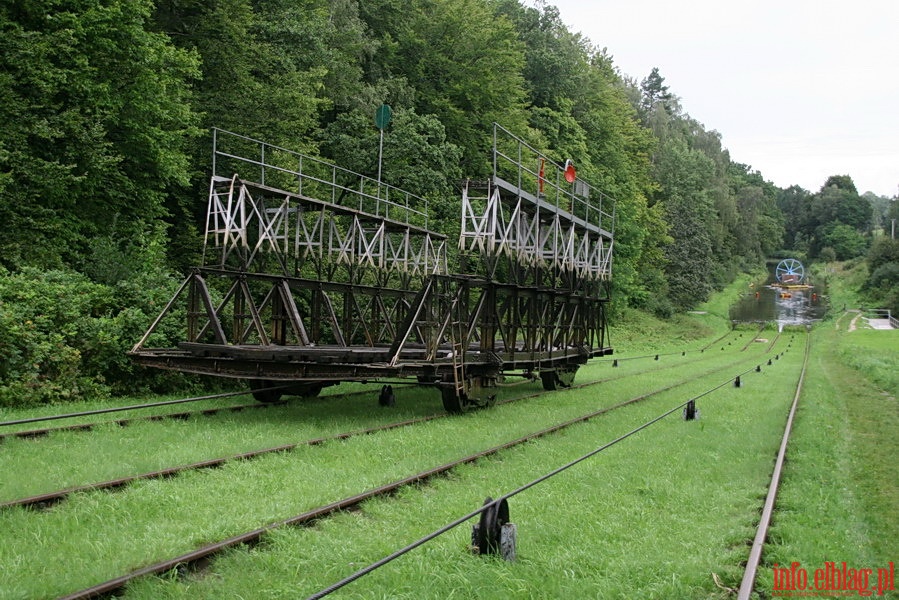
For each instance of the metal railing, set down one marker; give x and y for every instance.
(532, 171)
(284, 169)
(883, 313)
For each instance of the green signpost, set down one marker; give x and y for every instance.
(382, 120)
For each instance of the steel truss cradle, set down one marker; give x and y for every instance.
(340, 279)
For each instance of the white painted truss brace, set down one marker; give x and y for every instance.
(242, 226)
(532, 235)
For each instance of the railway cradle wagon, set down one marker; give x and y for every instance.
(314, 275)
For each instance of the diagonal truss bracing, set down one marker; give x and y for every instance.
(252, 228)
(312, 273)
(534, 214)
(539, 238)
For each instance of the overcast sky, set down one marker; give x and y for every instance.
(798, 89)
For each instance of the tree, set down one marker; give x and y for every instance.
(465, 64)
(683, 174)
(96, 115)
(882, 285)
(845, 240)
(418, 157)
(794, 203)
(655, 95)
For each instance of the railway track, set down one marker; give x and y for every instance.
(182, 415)
(747, 585)
(50, 498)
(31, 434)
(101, 411)
(89, 426)
(201, 555)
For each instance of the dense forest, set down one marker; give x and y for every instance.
(106, 108)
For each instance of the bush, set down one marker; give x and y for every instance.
(64, 337)
(828, 254)
(882, 286)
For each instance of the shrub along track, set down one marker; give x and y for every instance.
(202, 554)
(47, 499)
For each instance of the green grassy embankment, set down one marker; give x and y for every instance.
(656, 516)
(839, 500)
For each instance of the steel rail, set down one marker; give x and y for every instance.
(101, 411)
(47, 499)
(756, 337)
(406, 549)
(36, 433)
(112, 586)
(682, 352)
(715, 341)
(50, 498)
(755, 554)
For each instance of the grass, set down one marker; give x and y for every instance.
(637, 332)
(95, 536)
(653, 517)
(839, 500)
(603, 529)
(873, 353)
(49, 410)
(56, 462)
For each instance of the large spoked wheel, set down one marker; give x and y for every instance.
(789, 271)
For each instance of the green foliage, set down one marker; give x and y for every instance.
(96, 116)
(46, 321)
(683, 174)
(883, 251)
(465, 63)
(722, 217)
(101, 104)
(827, 254)
(836, 218)
(64, 337)
(882, 286)
(845, 240)
(655, 94)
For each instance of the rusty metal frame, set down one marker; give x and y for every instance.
(302, 288)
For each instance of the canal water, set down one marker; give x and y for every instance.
(767, 303)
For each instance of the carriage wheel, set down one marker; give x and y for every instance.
(558, 378)
(386, 397)
(452, 402)
(262, 391)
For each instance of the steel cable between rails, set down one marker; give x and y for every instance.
(448, 527)
(37, 433)
(101, 411)
(46, 499)
(110, 587)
